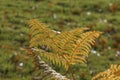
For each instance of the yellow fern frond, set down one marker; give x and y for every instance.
(39, 33)
(113, 73)
(66, 48)
(82, 47)
(55, 59)
(65, 40)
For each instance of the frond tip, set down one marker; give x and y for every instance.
(113, 73)
(39, 33)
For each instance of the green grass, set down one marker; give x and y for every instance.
(59, 15)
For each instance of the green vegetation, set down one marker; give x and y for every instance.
(60, 15)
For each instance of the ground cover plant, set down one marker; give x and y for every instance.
(101, 15)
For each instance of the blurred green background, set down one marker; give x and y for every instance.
(60, 15)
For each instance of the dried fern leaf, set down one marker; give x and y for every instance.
(113, 73)
(65, 38)
(46, 72)
(55, 59)
(69, 47)
(39, 33)
(82, 47)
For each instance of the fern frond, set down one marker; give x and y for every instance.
(55, 59)
(113, 73)
(65, 38)
(69, 47)
(39, 33)
(81, 47)
(46, 72)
